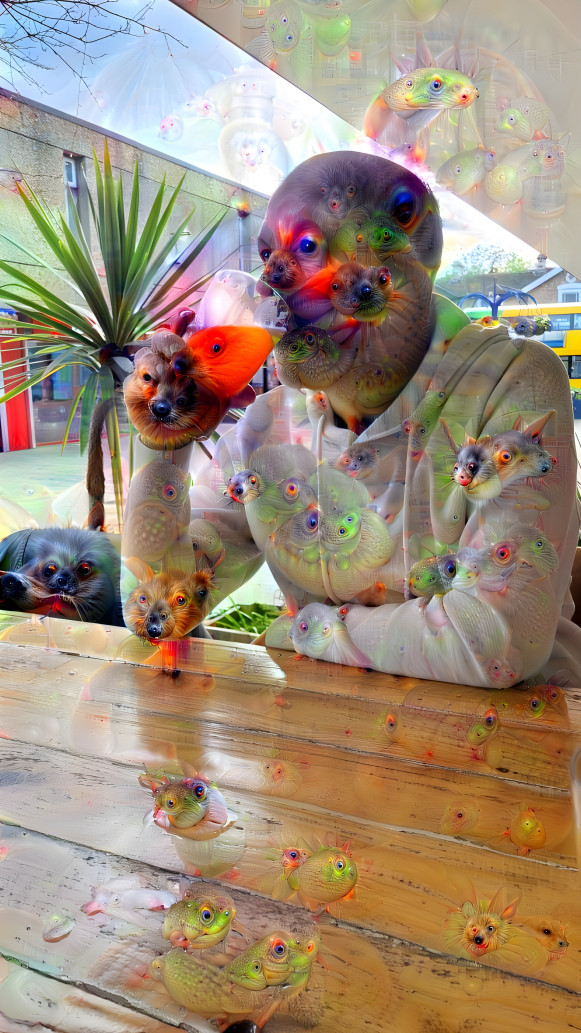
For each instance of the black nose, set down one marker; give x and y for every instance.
(10, 584)
(364, 291)
(161, 408)
(153, 628)
(479, 939)
(65, 583)
(545, 467)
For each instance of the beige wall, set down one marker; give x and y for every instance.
(32, 141)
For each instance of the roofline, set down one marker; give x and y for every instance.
(543, 279)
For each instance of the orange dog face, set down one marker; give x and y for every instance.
(168, 409)
(169, 605)
(485, 931)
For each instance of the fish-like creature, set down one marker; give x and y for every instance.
(325, 877)
(503, 184)
(222, 359)
(157, 511)
(526, 831)
(466, 169)
(206, 990)
(199, 921)
(265, 963)
(311, 358)
(524, 118)
(319, 632)
(191, 807)
(432, 576)
(416, 98)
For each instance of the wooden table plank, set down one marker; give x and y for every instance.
(419, 991)
(516, 750)
(385, 789)
(408, 882)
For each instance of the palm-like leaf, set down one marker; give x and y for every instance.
(131, 305)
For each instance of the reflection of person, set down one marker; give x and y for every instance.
(497, 612)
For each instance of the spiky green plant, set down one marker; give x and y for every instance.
(128, 307)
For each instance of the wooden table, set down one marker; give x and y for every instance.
(429, 784)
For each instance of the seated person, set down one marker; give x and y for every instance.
(413, 482)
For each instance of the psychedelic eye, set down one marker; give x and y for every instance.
(334, 286)
(180, 364)
(490, 928)
(490, 718)
(456, 468)
(279, 947)
(290, 37)
(142, 599)
(310, 947)
(403, 207)
(546, 932)
(442, 395)
(535, 703)
(459, 814)
(471, 467)
(284, 19)
(253, 480)
(200, 791)
(307, 246)
(383, 279)
(292, 488)
(293, 854)
(458, 170)
(539, 544)
(169, 491)
(503, 553)
(206, 914)
(505, 457)
(84, 569)
(202, 593)
(216, 347)
(147, 377)
(390, 722)
(339, 864)
(323, 190)
(436, 84)
(181, 600)
(294, 347)
(552, 694)
(351, 190)
(409, 83)
(421, 430)
(256, 966)
(312, 520)
(310, 338)
(304, 627)
(170, 801)
(450, 568)
(50, 569)
(265, 254)
(226, 913)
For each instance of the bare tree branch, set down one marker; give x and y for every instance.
(63, 31)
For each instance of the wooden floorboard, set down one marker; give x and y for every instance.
(427, 791)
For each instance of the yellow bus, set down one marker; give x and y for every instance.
(564, 336)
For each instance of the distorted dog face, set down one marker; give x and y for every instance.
(73, 574)
(169, 605)
(168, 408)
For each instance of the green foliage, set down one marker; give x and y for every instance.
(254, 619)
(105, 320)
(483, 260)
